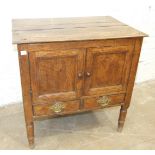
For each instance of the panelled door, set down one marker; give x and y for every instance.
(56, 75)
(107, 70)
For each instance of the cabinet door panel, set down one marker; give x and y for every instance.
(108, 69)
(54, 75)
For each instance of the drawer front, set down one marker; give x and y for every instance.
(57, 108)
(103, 101)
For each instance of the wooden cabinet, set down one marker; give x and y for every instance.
(74, 65)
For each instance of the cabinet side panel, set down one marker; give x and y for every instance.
(133, 70)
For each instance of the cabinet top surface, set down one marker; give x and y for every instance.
(70, 29)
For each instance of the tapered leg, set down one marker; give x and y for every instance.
(121, 120)
(30, 134)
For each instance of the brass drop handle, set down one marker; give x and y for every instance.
(80, 75)
(88, 74)
(57, 107)
(104, 101)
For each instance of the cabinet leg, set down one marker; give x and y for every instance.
(30, 134)
(121, 120)
(27, 98)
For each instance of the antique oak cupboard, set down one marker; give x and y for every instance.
(72, 65)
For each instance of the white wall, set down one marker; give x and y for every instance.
(137, 13)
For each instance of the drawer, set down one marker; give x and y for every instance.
(57, 108)
(103, 101)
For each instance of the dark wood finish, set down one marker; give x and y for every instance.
(75, 65)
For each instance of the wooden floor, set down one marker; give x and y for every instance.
(93, 130)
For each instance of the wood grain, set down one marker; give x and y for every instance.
(108, 68)
(32, 47)
(114, 100)
(26, 87)
(47, 23)
(45, 109)
(131, 80)
(70, 29)
(55, 75)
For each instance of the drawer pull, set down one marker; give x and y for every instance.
(103, 101)
(57, 107)
(88, 74)
(80, 75)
